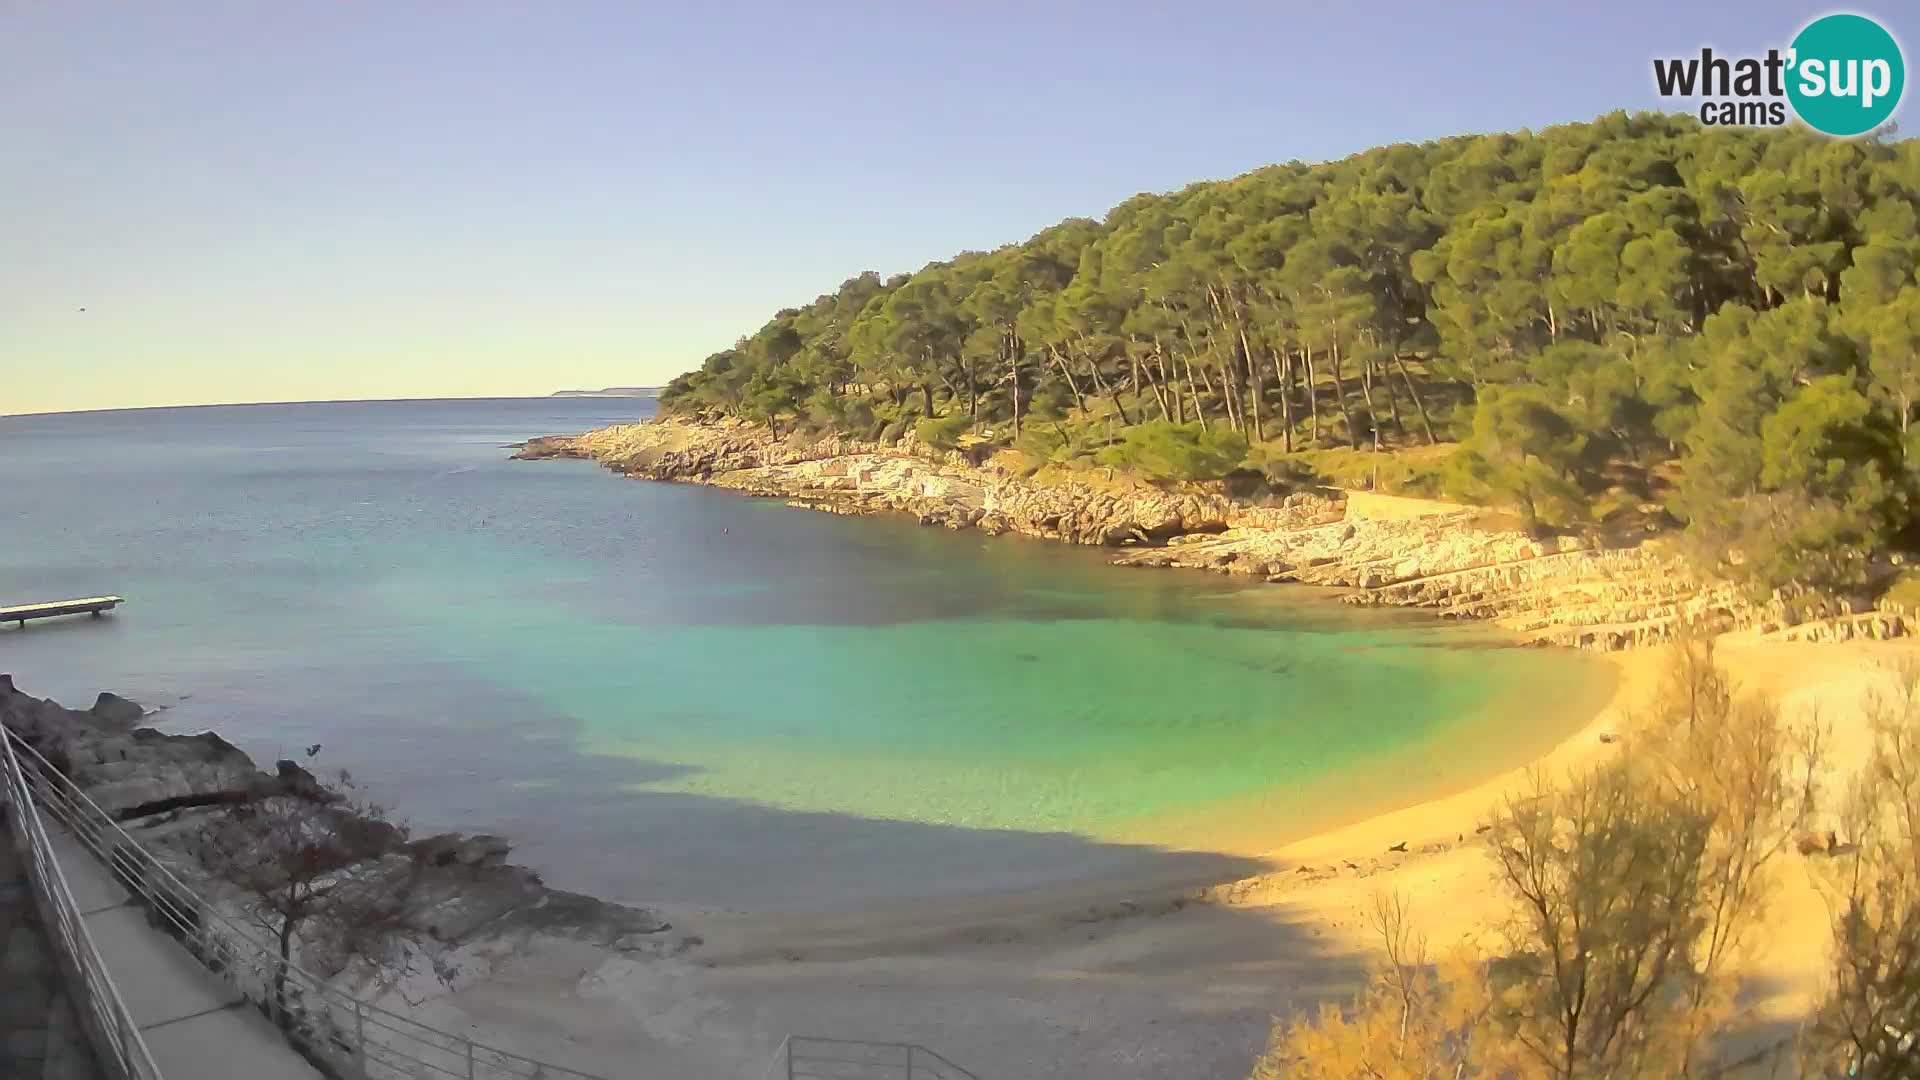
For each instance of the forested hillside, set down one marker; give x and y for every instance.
(1575, 324)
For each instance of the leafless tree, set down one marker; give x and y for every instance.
(1605, 875)
(311, 862)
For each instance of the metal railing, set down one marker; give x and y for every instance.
(807, 1057)
(115, 1038)
(343, 1035)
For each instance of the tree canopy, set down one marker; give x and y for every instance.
(1639, 309)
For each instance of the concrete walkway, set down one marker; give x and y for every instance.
(195, 1024)
(40, 1033)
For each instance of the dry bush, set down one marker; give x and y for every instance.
(1867, 1022)
(1754, 777)
(1604, 872)
(1634, 889)
(1410, 1022)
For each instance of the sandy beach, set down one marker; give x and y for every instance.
(1169, 984)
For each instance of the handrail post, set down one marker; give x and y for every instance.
(360, 1038)
(469, 1059)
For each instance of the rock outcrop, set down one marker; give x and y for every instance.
(1449, 559)
(464, 900)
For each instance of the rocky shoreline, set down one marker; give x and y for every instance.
(468, 906)
(1459, 562)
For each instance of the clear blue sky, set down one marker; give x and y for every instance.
(277, 201)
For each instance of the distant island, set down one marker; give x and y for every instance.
(611, 391)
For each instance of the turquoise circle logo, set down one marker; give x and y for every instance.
(1847, 75)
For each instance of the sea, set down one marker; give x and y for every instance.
(669, 694)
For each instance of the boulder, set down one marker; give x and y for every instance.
(111, 708)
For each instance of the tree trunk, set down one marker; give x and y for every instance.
(1229, 369)
(1159, 396)
(1011, 345)
(1230, 392)
(280, 971)
(926, 395)
(1199, 413)
(1112, 392)
(1393, 402)
(1420, 406)
(1285, 377)
(1253, 385)
(1172, 383)
(953, 389)
(1340, 394)
(1366, 396)
(1313, 397)
(1079, 403)
(1206, 379)
(1156, 384)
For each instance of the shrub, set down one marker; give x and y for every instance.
(1061, 443)
(1165, 452)
(1521, 456)
(943, 432)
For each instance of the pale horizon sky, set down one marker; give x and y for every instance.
(297, 202)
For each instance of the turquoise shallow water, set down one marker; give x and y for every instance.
(668, 693)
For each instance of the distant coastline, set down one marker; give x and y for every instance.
(611, 391)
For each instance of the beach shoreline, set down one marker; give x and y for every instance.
(1298, 933)
(1358, 844)
(1003, 982)
(1188, 980)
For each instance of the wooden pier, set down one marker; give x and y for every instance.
(53, 609)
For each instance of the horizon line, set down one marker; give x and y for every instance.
(576, 395)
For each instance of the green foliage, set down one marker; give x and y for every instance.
(1062, 443)
(943, 432)
(1522, 455)
(1166, 452)
(1419, 472)
(1904, 594)
(1582, 307)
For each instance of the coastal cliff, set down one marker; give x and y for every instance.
(1460, 562)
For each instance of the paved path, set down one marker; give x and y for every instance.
(196, 1025)
(40, 1034)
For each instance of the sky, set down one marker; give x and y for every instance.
(302, 201)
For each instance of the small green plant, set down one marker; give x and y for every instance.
(1167, 452)
(943, 432)
(1904, 595)
(1062, 442)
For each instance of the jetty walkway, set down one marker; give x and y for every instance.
(53, 609)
